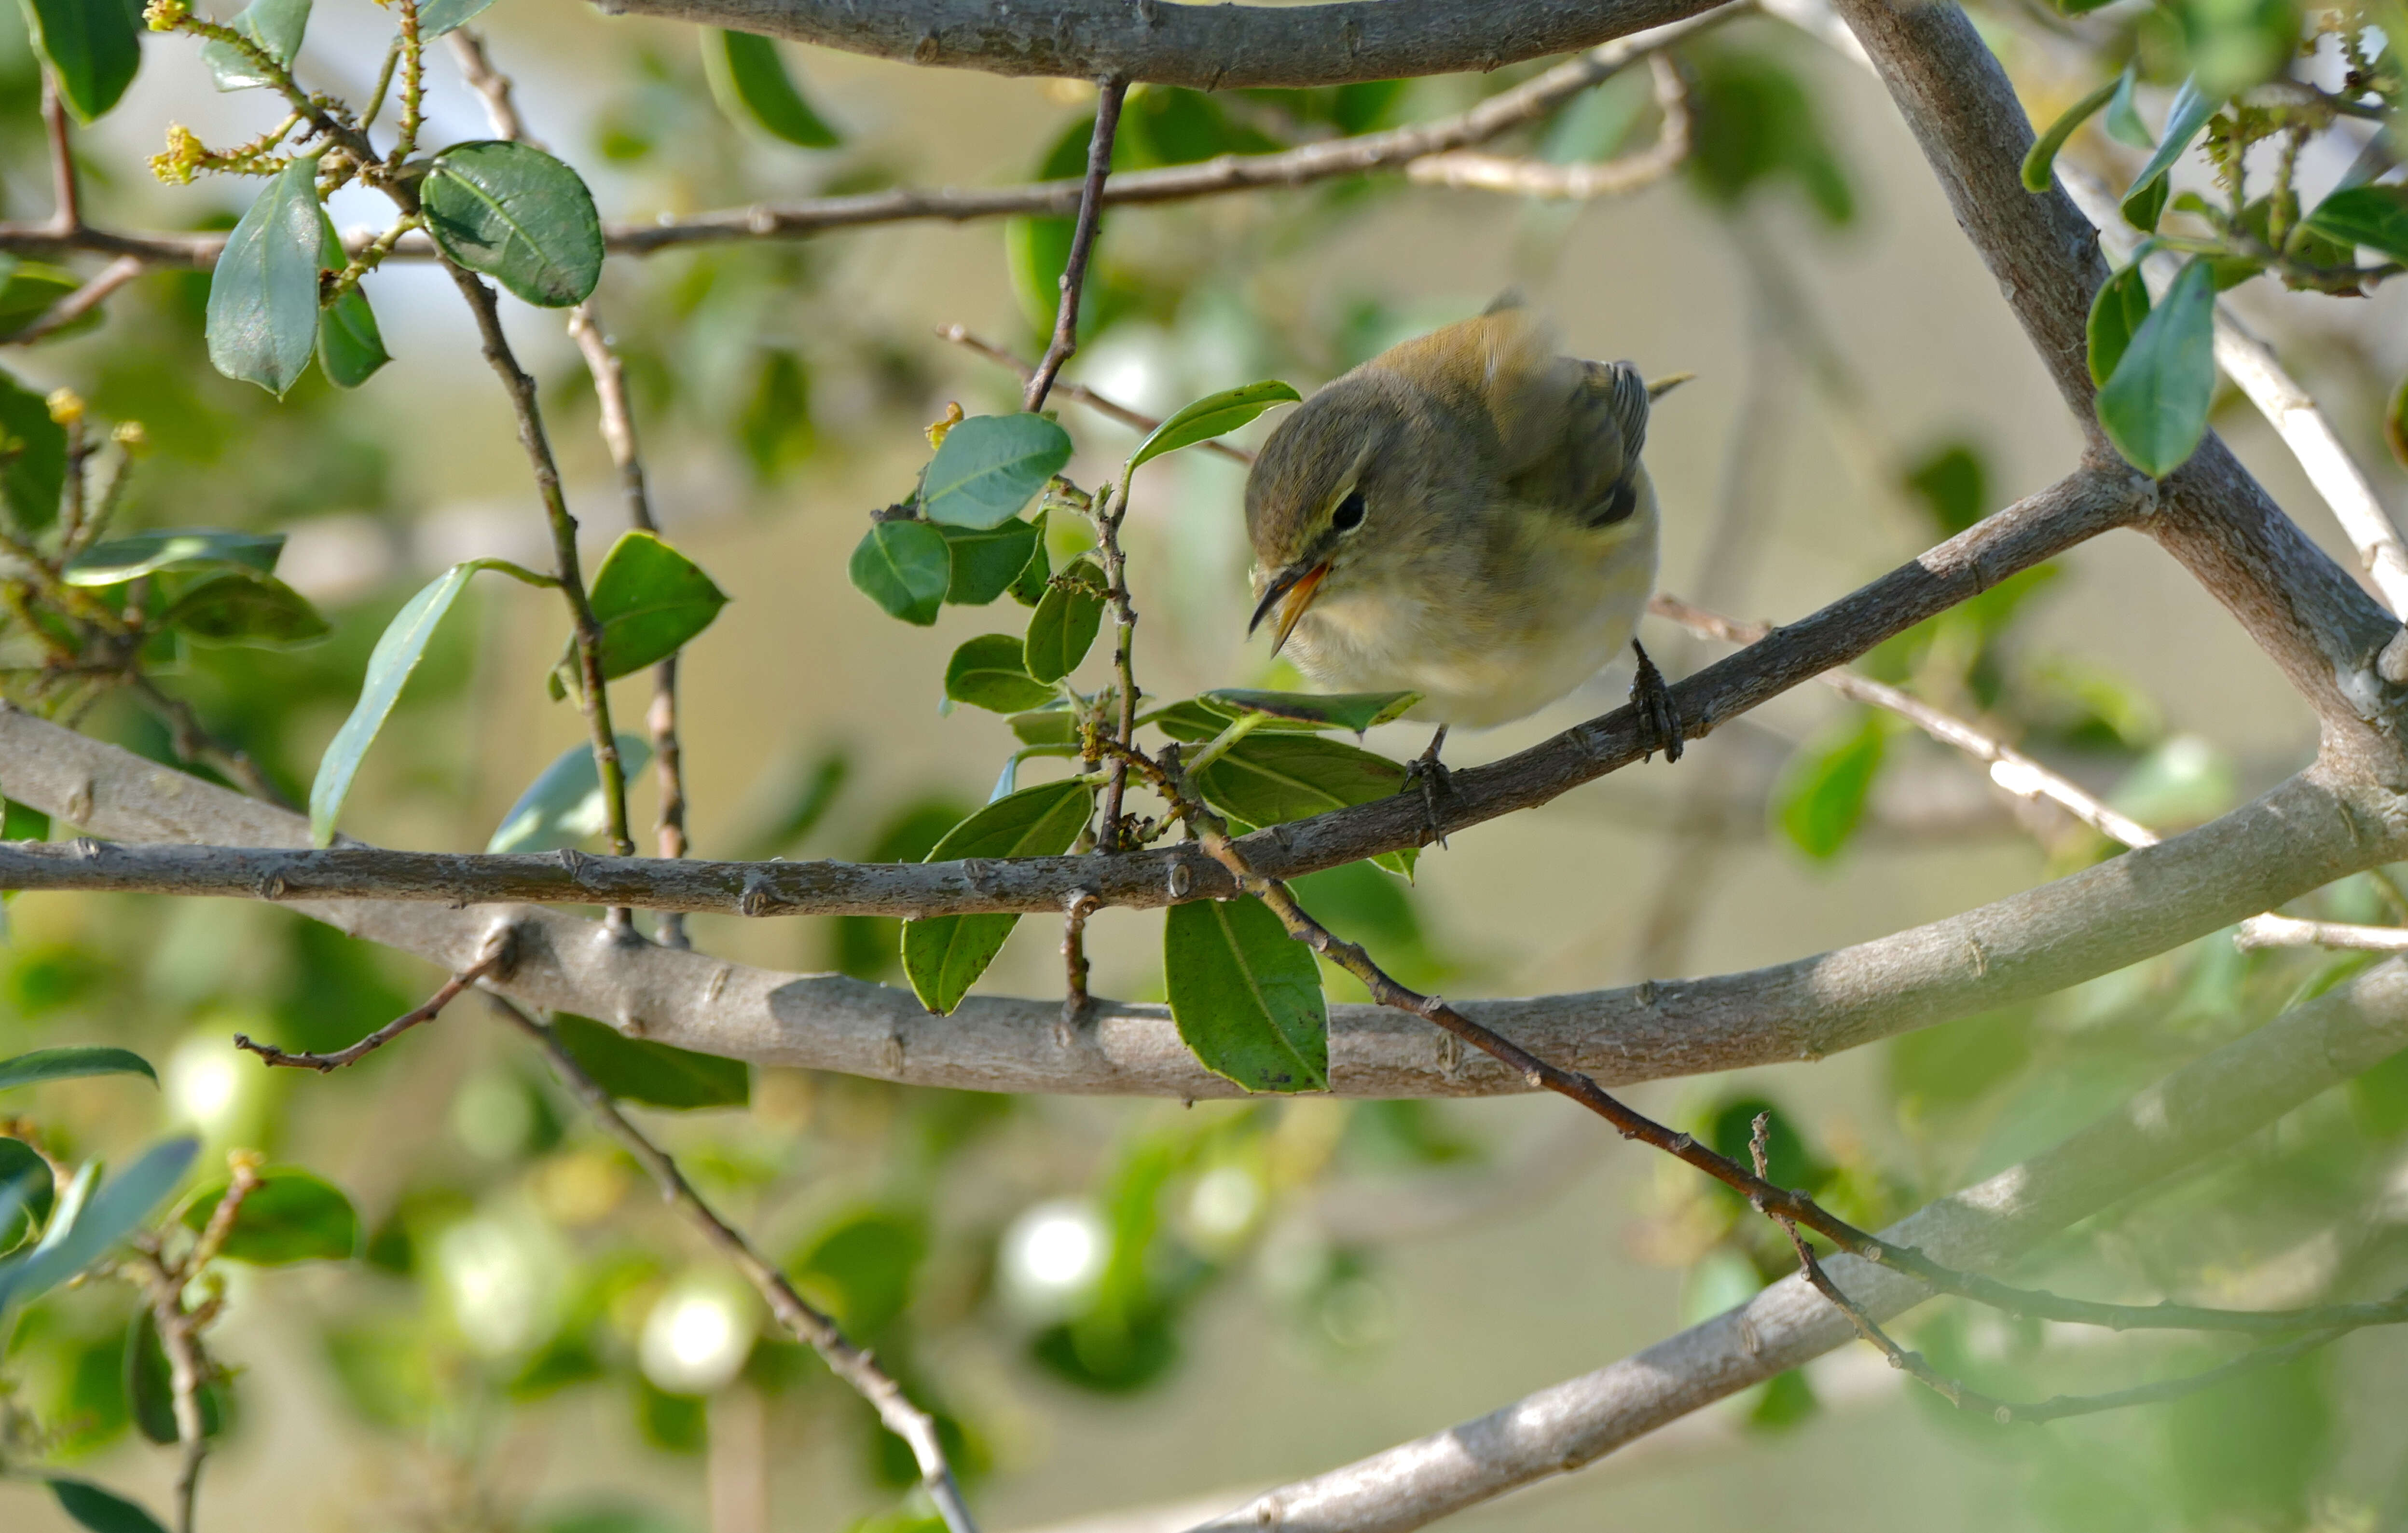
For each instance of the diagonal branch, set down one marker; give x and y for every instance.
(1109, 94)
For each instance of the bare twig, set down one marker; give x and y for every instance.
(180, 1328)
(194, 743)
(1465, 169)
(850, 1363)
(82, 301)
(1109, 95)
(1074, 957)
(1135, 420)
(496, 960)
(66, 201)
(491, 85)
(2283, 931)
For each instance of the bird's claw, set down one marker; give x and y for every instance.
(1434, 779)
(1654, 699)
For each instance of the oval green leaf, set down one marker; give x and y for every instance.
(988, 672)
(636, 1069)
(1246, 997)
(31, 1069)
(517, 215)
(33, 456)
(28, 293)
(2040, 162)
(276, 26)
(905, 568)
(2115, 314)
(649, 600)
(751, 85)
(150, 1388)
(2375, 217)
(87, 1224)
(123, 559)
(564, 805)
(1354, 710)
(986, 562)
(2145, 198)
(437, 17)
(1820, 799)
(990, 466)
(1214, 415)
(1050, 727)
(351, 347)
(262, 308)
(291, 1216)
(246, 610)
(2154, 404)
(1271, 776)
(92, 47)
(98, 1510)
(27, 1192)
(2123, 121)
(1064, 626)
(944, 955)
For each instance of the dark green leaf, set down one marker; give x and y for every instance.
(2144, 199)
(987, 672)
(102, 1512)
(986, 561)
(262, 308)
(1028, 587)
(2115, 314)
(944, 955)
(1035, 252)
(649, 600)
(2040, 162)
(518, 216)
(87, 1223)
(861, 1266)
(22, 823)
(351, 348)
(990, 466)
(1214, 415)
(26, 1192)
(1268, 777)
(33, 456)
(276, 26)
(149, 1384)
(1354, 710)
(249, 611)
(1752, 124)
(2154, 404)
(1064, 626)
(397, 652)
(1246, 997)
(1953, 482)
(564, 805)
(751, 85)
(30, 289)
(291, 1216)
(92, 47)
(2372, 216)
(1820, 799)
(437, 17)
(124, 559)
(636, 1070)
(2124, 122)
(905, 568)
(28, 1070)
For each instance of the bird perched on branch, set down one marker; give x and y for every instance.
(1464, 516)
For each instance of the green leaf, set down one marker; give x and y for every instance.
(92, 47)
(1246, 997)
(564, 805)
(2124, 122)
(1821, 797)
(944, 955)
(861, 1266)
(636, 1070)
(1214, 415)
(988, 672)
(87, 1224)
(262, 308)
(101, 1510)
(1354, 710)
(1268, 777)
(275, 25)
(751, 85)
(437, 17)
(2373, 216)
(291, 1216)
(26, 1192)
(518, 216)
(249, 611)
(1953, 484)
(2115, 314)
(1064, 626)
(33, 456)
(649, 600)
(2040, 161)
(29, 291)
(2144, 199)
(2154, 404)
(124, 559)
(2395, 423)
(905, 568)
(1051, 727)
(397, 652)
(986, 562)
(990, 466)
(1192, 721)
(31, 1069)
(351, 348)
(150, 1385)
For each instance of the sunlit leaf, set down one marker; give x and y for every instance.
(2375, 217)
(262, 308)
(517, 215)
(1820, 799)
(988, 672)
(1064, 626)
(1354, 710)
(1214, 415)
(2115, 314)
(751, 85)
(124, 559)
(988, 561)
(69, 1064)
(33, 456)
(1246, 997)
(648, 600)
(944, 955)
(990, 466)
(101, 1510)
(275, 25)
(89, 1222)
(2145, 197)
(636, 1069)
(905, 568)
(2154, 404)
(437, 17)
(92, 47)
(565, 805)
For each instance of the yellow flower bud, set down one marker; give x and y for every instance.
(65, 405)
(166, 15)
(952, 418)
(130, 435)
(183, 155)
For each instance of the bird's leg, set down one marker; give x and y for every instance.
(1654, 700)
(1431, 773)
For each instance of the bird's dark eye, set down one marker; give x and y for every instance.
(1348, 514)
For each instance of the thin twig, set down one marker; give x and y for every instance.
(66, 201)
(1074, 957)
(193, 743)
(82, 301)
(163, 1282)
(1110, 513)
(849, 1362)
(1135, 420)
(2283, 931)
(326, 1064)
(1109, 95)
(491, 85)
(1469, 171)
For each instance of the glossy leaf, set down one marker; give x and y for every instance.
(1214, 415)
(437, 17)
(986, 562)
(650, 601)
(751, 85)
(351, 347)
(276, 26)
(517, 215)
(150, 1385)
(1354, 710)
(636, 1069)
(33, 456)
(2115, 314)
(944, 955)
(2040, 162)
(123, 559)
(905, 568)
(262, 308)
(2154, 404)
(89, 1222)
(397, 652)
(1246, 997)
(564, 805)
(70, 1064)
(291, 1216)
(988, 672)
(101, 1510)
(1820, 799)
(92, 47)
(2188, 113)
(2375, 217)
(990, 466)
(1270, 777)
(1064, 626)
(248, 610)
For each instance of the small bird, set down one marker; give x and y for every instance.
(1464, 516)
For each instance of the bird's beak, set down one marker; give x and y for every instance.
(1287, 596)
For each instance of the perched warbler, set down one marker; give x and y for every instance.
(1464, 516)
